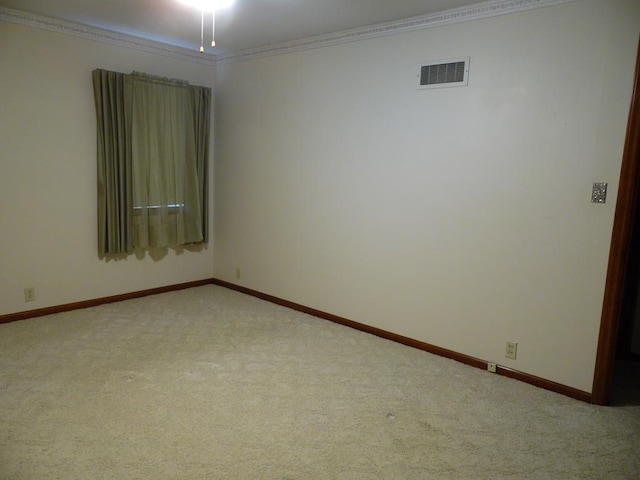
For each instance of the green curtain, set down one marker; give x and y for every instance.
(115, 206)
(202, 120)
(164, 161)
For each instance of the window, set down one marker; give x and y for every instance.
(153, 139)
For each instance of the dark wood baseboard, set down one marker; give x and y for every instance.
(443, 352)
(13, 317)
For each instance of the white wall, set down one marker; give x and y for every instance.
(460, 217)
(48, 172)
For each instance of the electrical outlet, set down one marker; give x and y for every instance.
(30, 294)
(237, 273)
(491, 367)
(511, 350)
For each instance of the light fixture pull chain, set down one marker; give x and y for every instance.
(202, 32)
(213, 28)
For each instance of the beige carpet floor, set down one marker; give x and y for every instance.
(208, 383)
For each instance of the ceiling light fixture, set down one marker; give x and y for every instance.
(212, 6)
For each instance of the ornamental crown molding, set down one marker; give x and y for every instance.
(102, 35)
(474, 12)
(464, 14)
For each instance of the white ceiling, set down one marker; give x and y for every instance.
(246, 24)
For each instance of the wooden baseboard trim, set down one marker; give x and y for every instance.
(545, 384)
(443, 352)
(13, 317)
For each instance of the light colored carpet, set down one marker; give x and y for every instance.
(208, 383)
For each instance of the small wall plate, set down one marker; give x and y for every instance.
(599, 193)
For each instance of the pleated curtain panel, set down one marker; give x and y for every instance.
(153, 149)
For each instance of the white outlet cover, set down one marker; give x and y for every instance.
(511, 350)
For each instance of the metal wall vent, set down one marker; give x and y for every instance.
(453, 72)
